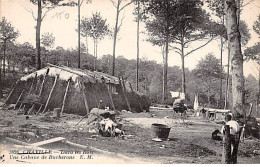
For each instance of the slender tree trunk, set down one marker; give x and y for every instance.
(221, 64)
(1, 85)
(78, 33)
(115, 36)
(221, 68)
(4, 59)
(208, 97)
(234, 40)
(94, 54)
(137, 49)
(38, 36)
(183, 88)
(165, 72)
(227, 81)
(258, 95)
(87, 43)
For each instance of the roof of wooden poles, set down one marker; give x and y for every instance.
(66, 73)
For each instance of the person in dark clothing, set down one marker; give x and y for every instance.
(179, 109)
(178, 106)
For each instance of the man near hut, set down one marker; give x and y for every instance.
(179, 107)
(231, 141)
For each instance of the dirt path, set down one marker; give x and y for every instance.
(186, 144)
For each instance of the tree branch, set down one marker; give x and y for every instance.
(178, 52)
(192, 40)
(114, 4)
(126, 5)
(199, 47)
(30, 11)
(45, 13)
(247, 3)
(173, 47)
(121, 22)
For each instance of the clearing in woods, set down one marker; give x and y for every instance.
(190, 143)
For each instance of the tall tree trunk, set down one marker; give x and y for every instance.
(227, 81)
(1, 85)
(94, 54)
(38, 36)
(234, 40)
(165, 72)
(115, 36)
(137, 43)
(183, 88)
(79, 33)
(4, 59)
(87, 43)
(221, 68)
(258, 95)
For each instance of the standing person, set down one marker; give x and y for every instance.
(230, 139)
(179, 107)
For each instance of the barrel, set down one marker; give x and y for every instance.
(160, 131)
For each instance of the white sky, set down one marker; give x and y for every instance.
(63, 28)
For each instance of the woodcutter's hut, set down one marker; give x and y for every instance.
(74, 91)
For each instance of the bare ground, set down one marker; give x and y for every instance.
(189, 143)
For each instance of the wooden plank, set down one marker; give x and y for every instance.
(48, 100)
(48, 141)
(64, 98)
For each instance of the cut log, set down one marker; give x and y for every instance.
(53, 140)
(65, 95)
(48, 100)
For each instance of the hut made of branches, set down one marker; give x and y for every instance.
(75, 91)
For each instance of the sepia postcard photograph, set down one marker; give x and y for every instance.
(129, 82)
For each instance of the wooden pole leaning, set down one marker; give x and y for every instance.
(109, 94)
(48, 100)
(95, 96)
(65, 95)
(122, 83)
(41, 88)
(18, 100)
(8, 97)
(82, 88)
